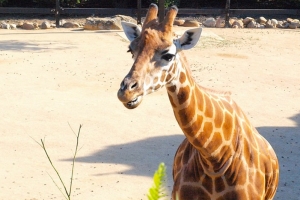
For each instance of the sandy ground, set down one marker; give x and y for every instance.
(56, 78)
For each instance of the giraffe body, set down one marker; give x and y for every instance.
(223, 156)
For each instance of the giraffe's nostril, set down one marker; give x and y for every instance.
(122, 85)
(133, 86)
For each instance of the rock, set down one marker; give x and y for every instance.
(4, 25)
(289, 20)
(191, 23)
(251, 24)
(286, 24)
(45, 25)
(262, 20)
(231, 20)
(247, 20)
(125, 18)
(238, 24)
(269, 24)
(112, 23)
(101, 24)
(210, 22)
(71, 25)
(68, 25)
(280, 24)
(293, 26)
(20, 24)
(28, 26)
(62, 22)
(178, 22)
(13, 26)
(274, 22)
(295, 22)
(220, 22)
(35, 25)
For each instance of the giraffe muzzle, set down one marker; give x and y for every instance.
(129, 94)
(134, 103)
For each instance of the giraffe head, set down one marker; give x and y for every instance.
(155, 52)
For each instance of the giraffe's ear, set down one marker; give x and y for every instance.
(131, 30)
(189, 39)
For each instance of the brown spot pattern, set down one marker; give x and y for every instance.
(227, 126)
(207, 184)
(182, 77)
(219, 184)
(163, 76)
(183, 94)
(172, 88)
(216, 141)
(168, 78)
(207, 129)
(192, 192)
(185, 115)
(155, 80)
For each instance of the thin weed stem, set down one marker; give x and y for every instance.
(67, 194)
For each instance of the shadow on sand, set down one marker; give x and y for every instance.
(144, 155)
(17, 45)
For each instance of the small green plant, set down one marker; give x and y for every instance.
(2, 2)
(66, 193)
(158, 190)
(169, 3)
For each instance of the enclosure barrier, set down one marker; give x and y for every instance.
(142, 11)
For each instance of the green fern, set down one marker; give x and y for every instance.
(158, 190)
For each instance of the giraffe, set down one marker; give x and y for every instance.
(222, 156)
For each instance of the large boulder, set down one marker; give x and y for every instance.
(178, 22)
(238, 24)
(20, 24)
(210, 22)
(220, 22)
(252, 24)
(247, 20)
(4, 25)
(13, 26)
(191, 23)
(231, 20)
(296, 23)
(274, 22)
(269, 24)
(289, 20)
(45, 25)
(262, 20)
(108, 23)
(28, 26)
(71, 25)
(285, 24)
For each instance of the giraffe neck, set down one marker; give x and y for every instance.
(206, 119)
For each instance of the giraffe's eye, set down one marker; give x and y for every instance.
(168, 57)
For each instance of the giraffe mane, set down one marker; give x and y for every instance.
(216, 92)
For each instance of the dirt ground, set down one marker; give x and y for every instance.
(56, 79)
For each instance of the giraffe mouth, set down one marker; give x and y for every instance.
(133, 103)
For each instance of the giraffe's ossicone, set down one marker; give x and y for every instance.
(223, 156)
